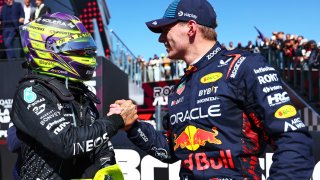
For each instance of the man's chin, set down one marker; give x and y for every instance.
(173, 56)
(170, 55)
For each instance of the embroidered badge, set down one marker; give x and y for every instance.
(28, 95)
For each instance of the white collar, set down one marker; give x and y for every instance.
(41, 6)
(194, 62)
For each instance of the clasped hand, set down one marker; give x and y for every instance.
(127, 110)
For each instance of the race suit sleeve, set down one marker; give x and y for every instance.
(36, 112)
(155, 143)
(13, 143)
(268, 106)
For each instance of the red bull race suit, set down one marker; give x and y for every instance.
(221, 115)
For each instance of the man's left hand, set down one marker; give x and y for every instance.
(21, 20)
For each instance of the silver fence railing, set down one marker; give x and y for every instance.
(122, 57)
(140, 70)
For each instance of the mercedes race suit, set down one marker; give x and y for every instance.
(63, 136)
(222, 114)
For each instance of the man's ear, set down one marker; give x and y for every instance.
(192, 25)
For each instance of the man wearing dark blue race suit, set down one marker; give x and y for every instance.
(225, 108)
(11, 17)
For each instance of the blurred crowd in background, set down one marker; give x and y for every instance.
(12, 15)
(280, 50)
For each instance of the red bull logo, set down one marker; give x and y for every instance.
(201, 162)
(192, 138)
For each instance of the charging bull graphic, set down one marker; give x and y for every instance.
(192, 138)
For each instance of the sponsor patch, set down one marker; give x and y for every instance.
(213, 53)
(90, 144)
(263, 69)
(181, 88)
(35, 103)
(192, 138)
(296, 123)
(4, 116)
(207, 91)
(190, 15)
(196, 114)
(6, 103)
(49, 126)
(278, 98)
(39, 109)
(207, 99)
(224, 63)
(236, 67)
(28, 95)
(160, 153)
(48, 116)
(143, 135)
(285, 111)
(270, 89)
(200, 161)
(268, 78)
(178, 101)
(61, 126)
(212, 77)
(59, 106)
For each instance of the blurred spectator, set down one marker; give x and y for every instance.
(223, 46)
(11, 17)
(41, 9)
(230, 47)
(28, 10)
(156, 68)
(166, 66)
(276, 47)
(280, 51)
(288, 53)
(312, 51)
(181, 67)
(299, 39)
(305, 54)
(279, 47)
(173, 68)
(288, 36)
(318, 55)
(150, 70)
(250, 47)
(143, 65)
(299, 45)
(128, 65)
(263, 47)
(138, 69)
(239, 46)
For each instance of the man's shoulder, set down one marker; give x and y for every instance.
(17, 4)
(244, 63)
(46, 8)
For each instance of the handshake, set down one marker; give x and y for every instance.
(127, 110)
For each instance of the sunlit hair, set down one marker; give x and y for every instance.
(207, 32)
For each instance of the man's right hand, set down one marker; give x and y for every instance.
(127, 110)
